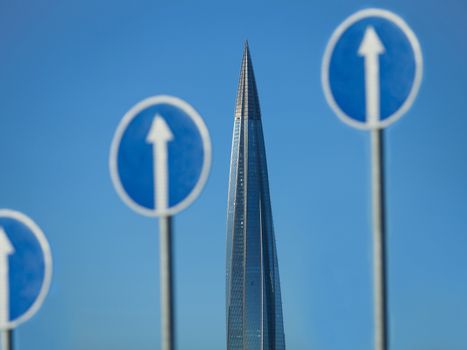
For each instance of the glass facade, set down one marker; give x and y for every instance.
(253, 297)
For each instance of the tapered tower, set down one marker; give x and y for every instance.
(253, 298)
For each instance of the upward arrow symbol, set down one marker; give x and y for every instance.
(6, 249)
(159, 135)
(371, 48)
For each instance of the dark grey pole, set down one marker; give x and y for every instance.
(7, 339)
(167, 290)
(379, 240)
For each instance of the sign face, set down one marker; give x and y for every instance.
(160, 156)
(25, 268)
(372, 69)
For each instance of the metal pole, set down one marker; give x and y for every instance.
(379, 240)
(167, 304)
(7, 339)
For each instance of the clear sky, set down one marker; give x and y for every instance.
(69, 70)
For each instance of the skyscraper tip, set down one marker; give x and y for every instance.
(247, 106)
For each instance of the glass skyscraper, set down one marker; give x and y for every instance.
(253, 298)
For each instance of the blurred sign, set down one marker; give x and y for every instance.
(160, 156)
(25, 268)
(372, 69)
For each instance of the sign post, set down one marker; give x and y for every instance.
(379, 241)
(25, 271)
(371, 73)
(7, 339)
(167, 290)
(159, 162)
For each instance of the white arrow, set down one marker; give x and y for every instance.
(6, 249)
(370, 48)
(159, 135)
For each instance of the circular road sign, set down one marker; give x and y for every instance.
(25, 268)
(372, 69)
(160, 156)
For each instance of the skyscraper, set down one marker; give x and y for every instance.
(253, 298)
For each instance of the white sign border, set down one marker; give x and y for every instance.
(113, 162)
(44, 244)
(372, 12)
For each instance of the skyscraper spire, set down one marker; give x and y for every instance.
(253, 297)
(247, 105)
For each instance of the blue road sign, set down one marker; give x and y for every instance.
(25, 268)
(160, 156)
(372, 69)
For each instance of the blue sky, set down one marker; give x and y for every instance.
(71, 69)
